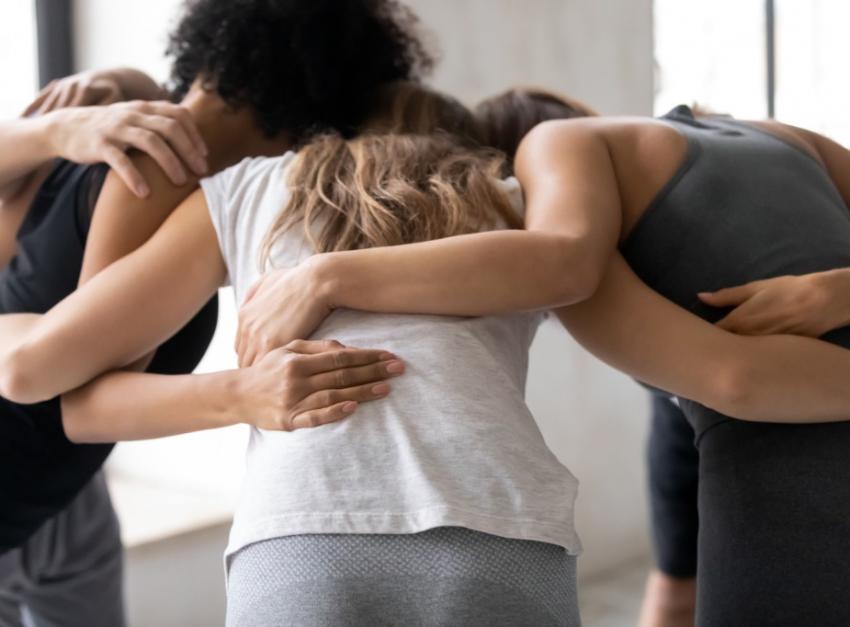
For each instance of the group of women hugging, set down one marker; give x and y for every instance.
(393, 253)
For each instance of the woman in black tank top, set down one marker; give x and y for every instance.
(275, 105)
(42, 471)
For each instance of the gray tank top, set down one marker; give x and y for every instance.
(744, 205)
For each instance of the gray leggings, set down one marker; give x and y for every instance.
(70, 572)
(443, 577)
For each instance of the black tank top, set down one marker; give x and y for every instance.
(40, 469)
(744, 205)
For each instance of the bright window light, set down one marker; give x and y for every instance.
(18, 56)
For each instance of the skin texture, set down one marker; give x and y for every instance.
(277, 393)
(625, 323)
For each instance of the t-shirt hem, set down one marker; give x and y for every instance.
(558, 533)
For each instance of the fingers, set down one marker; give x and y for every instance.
(729, 297)
(361, 375)
(744, 323)
(358, 394)
(311, 365)
(68, 95)
(123, 166)
(35, 105)
(181, 115)
(318, 417)
(176, 134)
(313, 347)
(49, 103)
(158, 149)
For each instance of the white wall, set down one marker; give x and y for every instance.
(597, 50)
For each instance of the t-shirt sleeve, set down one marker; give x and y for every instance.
(218, 191)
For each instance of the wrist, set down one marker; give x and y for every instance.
(46, 131)
(223, 394)
(324, 273)
(835, 286)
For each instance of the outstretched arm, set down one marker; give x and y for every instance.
(776, 378)
(305, 385)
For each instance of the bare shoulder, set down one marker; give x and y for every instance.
(802, 138)
(615, 132)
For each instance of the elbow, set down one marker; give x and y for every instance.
(733, 392)
(587, 283)
(76, 421)
(579, 284)
(17, 379)
(74, 430)
(576, 267)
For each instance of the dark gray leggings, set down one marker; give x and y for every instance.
(445, 577)
(774, 543)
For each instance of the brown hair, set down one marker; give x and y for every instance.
(509, 116)
(415, 174)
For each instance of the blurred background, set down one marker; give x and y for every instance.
(751, 58)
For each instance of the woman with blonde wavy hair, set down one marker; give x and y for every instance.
(438, 504)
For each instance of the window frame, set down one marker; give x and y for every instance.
(54, 39)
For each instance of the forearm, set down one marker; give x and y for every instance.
(468, 275)
(122, 314)
(24, 146)
(777, 378)
(121, 406)
(13, 327)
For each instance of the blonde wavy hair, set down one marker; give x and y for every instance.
(416, 173)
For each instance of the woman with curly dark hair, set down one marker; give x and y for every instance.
(256, 77)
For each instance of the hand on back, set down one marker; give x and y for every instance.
(309, 384)
(809, 305)
(282, 306)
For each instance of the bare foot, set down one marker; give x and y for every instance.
(668, 601)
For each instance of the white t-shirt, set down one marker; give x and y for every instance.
(454, 444)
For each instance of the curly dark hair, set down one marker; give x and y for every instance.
(303, 66)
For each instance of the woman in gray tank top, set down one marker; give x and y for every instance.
(694, 206)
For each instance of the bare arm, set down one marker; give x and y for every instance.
(305, 385)
(573, 221)
(101, 134)
(120, 315)
(778, 378)
(573, 217)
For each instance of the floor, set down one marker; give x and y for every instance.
(614, 600)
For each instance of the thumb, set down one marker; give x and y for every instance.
(729, 297)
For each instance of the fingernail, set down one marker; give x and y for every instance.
(395, 367)
(349, 407)
(387, 356)
(143, 190)
(381, 389)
